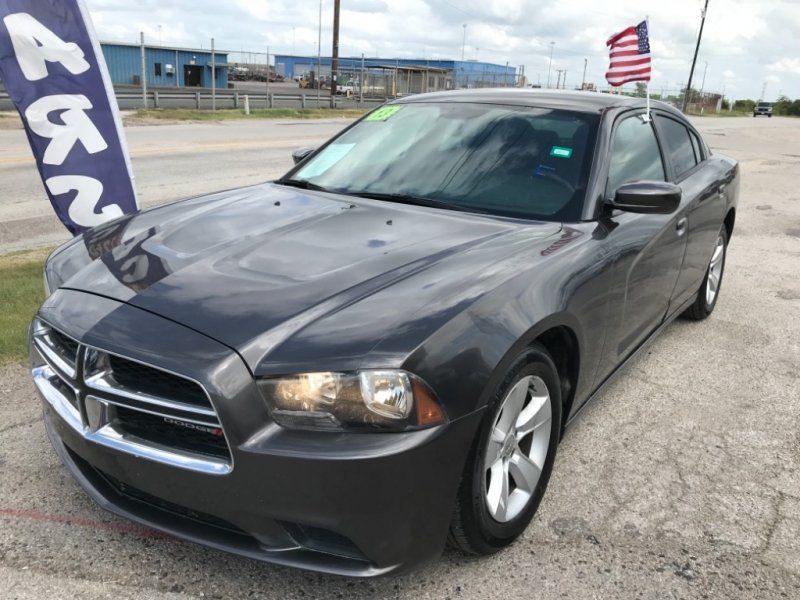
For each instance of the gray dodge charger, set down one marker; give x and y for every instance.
(345, 368)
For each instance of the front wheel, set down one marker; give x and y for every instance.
(708, 293)
(509, 465)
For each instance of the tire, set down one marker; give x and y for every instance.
(704, 303)
(474, 528)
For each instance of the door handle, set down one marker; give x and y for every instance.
(721, 190)
(680, 226)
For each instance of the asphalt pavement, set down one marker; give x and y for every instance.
(170, 161)
(682, 480)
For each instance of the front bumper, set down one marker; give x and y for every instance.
(347, 503)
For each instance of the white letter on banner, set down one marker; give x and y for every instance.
(77, 126)
(34, 44)
(81, 210)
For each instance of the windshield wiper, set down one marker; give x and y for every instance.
(414, 200)
(302, 184)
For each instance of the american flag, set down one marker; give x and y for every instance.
(629, 51)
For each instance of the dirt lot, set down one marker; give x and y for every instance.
(681, 481)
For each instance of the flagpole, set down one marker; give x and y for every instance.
(647, 86)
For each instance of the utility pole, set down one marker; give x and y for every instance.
(213, 77)
(319, 52)
(268, 106)
(335, 54)
(361, 82)
(583, 81)
(550, 66)
(144, 69)
(564, 81)
(763, 91)
(558, 81)
(463, 42)
(694, 60)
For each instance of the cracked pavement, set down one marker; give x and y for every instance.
(682, 480)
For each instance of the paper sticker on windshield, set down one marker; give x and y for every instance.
(560, 152)
(543, 170)
(325, 160)
(383, 113)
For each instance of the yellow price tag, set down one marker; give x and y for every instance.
(383, 113)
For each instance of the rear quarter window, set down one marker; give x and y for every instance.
(697, 145)
(678, 145)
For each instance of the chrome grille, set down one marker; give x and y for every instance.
(60, 350)
(128, 405)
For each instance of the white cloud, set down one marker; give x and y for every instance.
(786, 65)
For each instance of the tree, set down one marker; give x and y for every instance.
(786, 107)
(641, 89)
(744, 105)
(694, 95)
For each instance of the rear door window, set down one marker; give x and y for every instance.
(677, 145)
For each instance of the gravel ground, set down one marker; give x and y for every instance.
(681, 481)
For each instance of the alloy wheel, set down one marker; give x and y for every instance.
(517, 449)
(715, 271)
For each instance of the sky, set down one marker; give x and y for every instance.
(747, 43)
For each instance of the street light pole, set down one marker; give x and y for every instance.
(694, 60)
(463, 42)
(583, 81)
(703, 83)
(550, 66)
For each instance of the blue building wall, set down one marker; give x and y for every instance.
(124, 64)
(463, 73)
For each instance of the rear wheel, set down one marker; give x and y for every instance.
(510, 463)
(708, 293)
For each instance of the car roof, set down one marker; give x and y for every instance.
(559, 99)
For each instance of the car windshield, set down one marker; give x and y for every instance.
(763, 104)
(504, 160)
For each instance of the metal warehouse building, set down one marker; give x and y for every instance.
(165, 66)
(411, 75)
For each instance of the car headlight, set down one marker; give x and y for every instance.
(380, 399)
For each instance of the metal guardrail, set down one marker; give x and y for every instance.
(226, 99)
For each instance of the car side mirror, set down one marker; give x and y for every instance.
(649, 197)
(302, 153)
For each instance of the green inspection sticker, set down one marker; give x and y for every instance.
(383, 113)
(560, 152)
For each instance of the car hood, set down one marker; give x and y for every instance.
(251, 267)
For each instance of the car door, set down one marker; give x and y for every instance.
(702, 201)
(648, 248)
